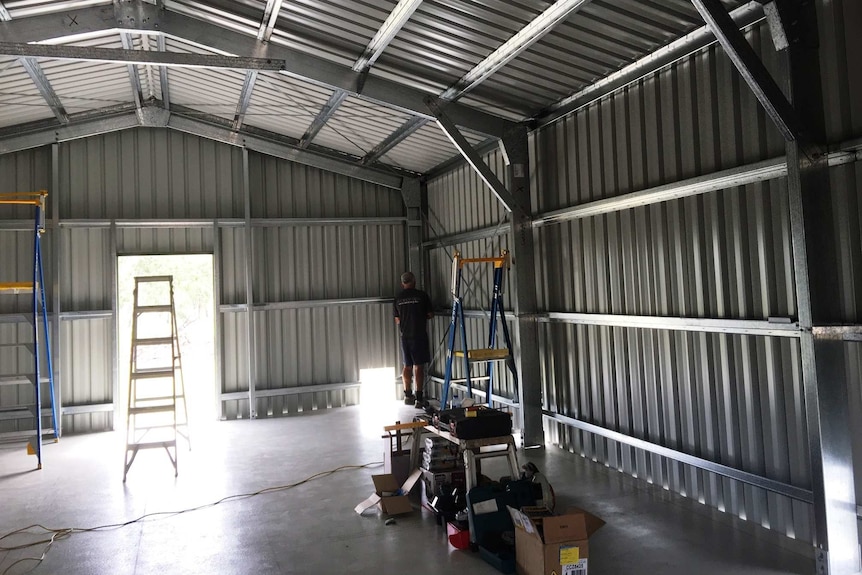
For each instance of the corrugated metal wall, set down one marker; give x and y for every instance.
(731, 399)
(460, 202)
(153, 191)
(20, 172)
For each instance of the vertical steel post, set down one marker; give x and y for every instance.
(818, 301)
(36, 354)
(218, 376)
(115, 325)
(411, 192)
(56, 251)
(249, 287)
(524, 268)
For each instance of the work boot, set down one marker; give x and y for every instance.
(420, 400)
(409, 398)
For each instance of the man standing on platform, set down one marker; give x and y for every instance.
(412, 312)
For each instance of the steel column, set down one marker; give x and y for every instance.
(251, 344)
(819, 303)
(115, 327)
(56, 249)
(524, 268)
(411, 191)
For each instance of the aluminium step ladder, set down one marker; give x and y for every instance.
(156, 391)
(27, 411)
(491, 354)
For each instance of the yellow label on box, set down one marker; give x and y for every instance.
(569, 555)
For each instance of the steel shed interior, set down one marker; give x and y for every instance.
(683, 215)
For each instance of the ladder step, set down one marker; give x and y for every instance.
(152, 409)
(153, 341)
(156, 398)
(153, 279)
(153, 373)
(485, 354)
(153, 309)
(150, 444)
(21, 379)
(16, 287)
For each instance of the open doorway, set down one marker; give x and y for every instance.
(193, 301)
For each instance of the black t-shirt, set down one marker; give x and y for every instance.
(412, 307)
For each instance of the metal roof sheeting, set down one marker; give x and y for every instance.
(441, 42)
(20, 101)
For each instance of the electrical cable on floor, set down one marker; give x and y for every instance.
(57, 534)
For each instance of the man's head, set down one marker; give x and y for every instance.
(408, 280)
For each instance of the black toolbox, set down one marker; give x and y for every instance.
(475, 422)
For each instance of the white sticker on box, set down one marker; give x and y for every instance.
(579, 568)
(489, 506)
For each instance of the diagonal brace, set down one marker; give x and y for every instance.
(750, 67)
(473, 158)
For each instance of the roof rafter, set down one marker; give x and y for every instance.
(210, 127)
(514, 46)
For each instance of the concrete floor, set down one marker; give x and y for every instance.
(312, 528)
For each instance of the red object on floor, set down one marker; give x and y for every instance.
(459, 538)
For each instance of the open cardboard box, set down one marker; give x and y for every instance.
(547, 543)
(391, 498)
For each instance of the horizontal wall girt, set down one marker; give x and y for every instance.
(270, 306)
(752, 173)
(779, 327)
(848, 152)
(234, 395)
(772, 485)
(87, 408)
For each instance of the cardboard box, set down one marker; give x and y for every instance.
(391, 498)
(547, 543)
